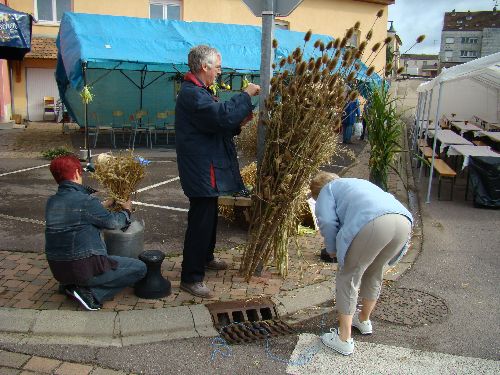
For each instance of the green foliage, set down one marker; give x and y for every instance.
(385, 128)
(53, 153)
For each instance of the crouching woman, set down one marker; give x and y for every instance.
(74, 248)
(367, 229)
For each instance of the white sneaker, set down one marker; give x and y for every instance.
(333, 341)
(365, 328)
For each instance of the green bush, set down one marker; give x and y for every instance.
(53, 153)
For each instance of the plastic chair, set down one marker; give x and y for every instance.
(119, 126)
(49, 107)
(139, 126)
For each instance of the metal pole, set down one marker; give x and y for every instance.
(417, 122)
(266, 72)
(422, 166)
(85, 115)
(436, 133)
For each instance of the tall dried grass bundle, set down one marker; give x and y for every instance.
(248, 175)
(303, 110)
(246, 141)
(120, 174)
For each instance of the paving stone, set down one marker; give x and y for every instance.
(40, 364)
(68, 368)
(8, 371)
(11, 359)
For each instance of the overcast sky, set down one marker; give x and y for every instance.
(414, 17)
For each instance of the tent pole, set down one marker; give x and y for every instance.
(417, 121)
(422, 124)
(436, 133)
(86, 114)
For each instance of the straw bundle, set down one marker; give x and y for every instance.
(120, 174)
(302, 111)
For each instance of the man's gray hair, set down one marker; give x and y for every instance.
(200, 55)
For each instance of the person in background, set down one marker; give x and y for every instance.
(364, 119)
(351, 113)
(74, 248)
(206, 158)
(367, 229)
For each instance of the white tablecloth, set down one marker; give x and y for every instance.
(463, 127)
(448, 137)
(467, 150)
(494, 136)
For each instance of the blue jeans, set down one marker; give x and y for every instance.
(108, 284)
(347, 133)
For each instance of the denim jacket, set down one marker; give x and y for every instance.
(74, 220)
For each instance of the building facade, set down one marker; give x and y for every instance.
(33, 78)
(420, 65)
(469, 35)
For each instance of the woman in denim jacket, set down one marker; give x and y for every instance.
(74, 248)
(367, 229)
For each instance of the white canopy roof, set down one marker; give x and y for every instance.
(486, 70)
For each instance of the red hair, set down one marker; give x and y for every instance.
(63, 168)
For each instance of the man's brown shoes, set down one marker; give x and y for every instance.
(197, 289)
(217, 265)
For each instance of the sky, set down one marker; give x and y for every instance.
(415, 17)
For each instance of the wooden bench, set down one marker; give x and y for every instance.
(444, 171)
(478, 142)
(427, 152)
(422, 142)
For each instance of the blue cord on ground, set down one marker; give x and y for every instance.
(221, 346)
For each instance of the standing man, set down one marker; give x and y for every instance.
(206, 159)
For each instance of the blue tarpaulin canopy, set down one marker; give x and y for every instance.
(133, 63)
(15, 33)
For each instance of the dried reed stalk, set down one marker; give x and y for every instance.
(302, 111)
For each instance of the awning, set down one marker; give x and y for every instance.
(15, 33)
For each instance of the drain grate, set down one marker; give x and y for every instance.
(410, 307)
(247, 320)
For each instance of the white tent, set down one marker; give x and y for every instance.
(468, 89)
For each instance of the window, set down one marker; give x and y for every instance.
(450, 40)
(468, 53)
(52, 10)
(282, 25)
(467, 40)
(165, 9)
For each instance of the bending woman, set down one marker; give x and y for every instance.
(367, 229)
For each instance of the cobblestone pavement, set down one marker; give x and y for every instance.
(26, 281)
(22, 364)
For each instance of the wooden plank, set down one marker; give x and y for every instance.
(235, 201)
(443, 169)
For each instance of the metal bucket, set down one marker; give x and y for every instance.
(129, 243)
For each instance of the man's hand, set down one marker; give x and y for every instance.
(125, 205)
(252, 89)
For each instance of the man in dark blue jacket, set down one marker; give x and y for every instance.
(207, 160)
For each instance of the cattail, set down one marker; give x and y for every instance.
(370, 71)
(316, 78)
(336, 43)
(357, 66)
(388, 40)
(347, 55)
(353, 95)
(420, 39)
(282, 63)
(325, 72)
(358, 55)
(275, 43)
(307, 79)
(285, 74)
(349, 33)
(387, 73)
(308, 35)
(318, 63)
(369, 35)
(298, 58)
(357, 25)
(310, 65)
(362, 46)
(389, 66)
(400, 70)
(337, 54)
(329, 45)
(343, 42)
(333, 64)
(322, 46)
(331, 84)
(273, 80)
(351, 76)
(301, 68)
(289, 59)
(380, 13)
(324, 59)
(317, 43)
(375, 47)
(273, 66)
(344, 64)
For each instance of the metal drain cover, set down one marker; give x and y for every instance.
(410, 307)
(237, 333)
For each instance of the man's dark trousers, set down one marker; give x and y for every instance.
(200, 238)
